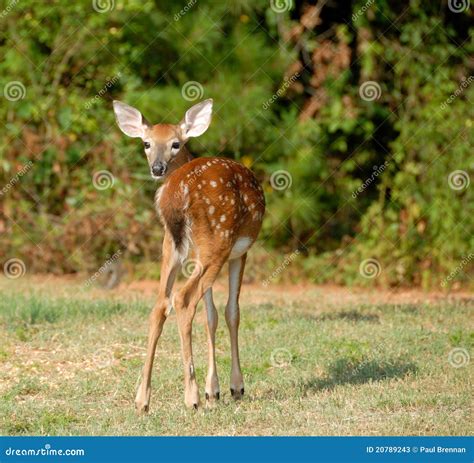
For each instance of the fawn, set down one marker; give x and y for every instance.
(216, 207)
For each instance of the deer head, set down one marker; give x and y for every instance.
(164, 144)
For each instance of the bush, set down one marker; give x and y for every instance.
(348, 176)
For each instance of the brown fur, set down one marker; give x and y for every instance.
(218, 198)
(165, 132)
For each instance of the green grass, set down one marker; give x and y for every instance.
(70, 362)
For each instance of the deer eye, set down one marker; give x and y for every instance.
(146, 145)
(175, 145)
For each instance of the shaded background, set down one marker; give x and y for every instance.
(357, 117)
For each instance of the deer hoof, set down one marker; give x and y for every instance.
(142, 409)
(211, 399)
(237, 394)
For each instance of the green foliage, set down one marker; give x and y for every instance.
(420, 227)
(73, 60)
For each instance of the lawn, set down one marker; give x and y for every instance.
(316, 361)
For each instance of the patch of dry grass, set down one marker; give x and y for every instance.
(350, 362)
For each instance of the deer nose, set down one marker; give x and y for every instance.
(158, 169)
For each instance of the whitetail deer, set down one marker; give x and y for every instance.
(216, 207)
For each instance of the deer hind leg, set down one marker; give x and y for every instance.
(157, 319)
(212, 381)
(232, 317)
(185, 302)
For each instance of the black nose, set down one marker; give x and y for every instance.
(158, 169)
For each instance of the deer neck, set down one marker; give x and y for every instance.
(179, 160)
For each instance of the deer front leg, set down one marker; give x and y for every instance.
(212, 381)
(157, 319)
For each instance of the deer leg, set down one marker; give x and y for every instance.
(185, 302)
(212, 381)
(157, 319)
(232, 317)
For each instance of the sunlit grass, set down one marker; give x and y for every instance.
(70, 361)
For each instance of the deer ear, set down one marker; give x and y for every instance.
(130, 120)
(197, 119)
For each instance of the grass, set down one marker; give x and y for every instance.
(313, 365)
